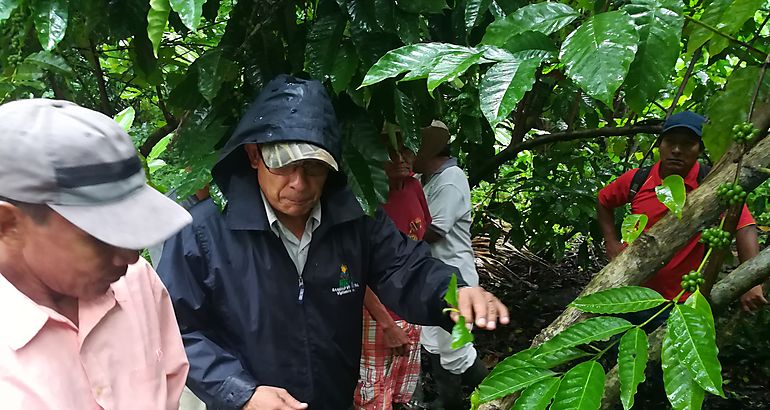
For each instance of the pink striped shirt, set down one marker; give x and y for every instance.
(126, 354)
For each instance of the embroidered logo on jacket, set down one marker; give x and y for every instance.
(346, 284)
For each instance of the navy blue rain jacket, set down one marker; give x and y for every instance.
(246, 317)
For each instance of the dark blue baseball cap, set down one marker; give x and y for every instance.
(685, 119)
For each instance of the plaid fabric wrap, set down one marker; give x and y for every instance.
(385, 378)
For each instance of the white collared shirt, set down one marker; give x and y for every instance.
(297, 248)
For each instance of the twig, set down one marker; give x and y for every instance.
(727, 36)
(759, 29)
(162, 105)
(104, 98)
(685, 79)
(758, 87)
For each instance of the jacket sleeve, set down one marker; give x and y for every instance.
(404, 275)
(216, 375)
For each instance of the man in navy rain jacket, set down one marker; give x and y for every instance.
(269, 294)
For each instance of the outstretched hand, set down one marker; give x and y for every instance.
(481, 308)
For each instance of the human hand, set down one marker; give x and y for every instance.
(396, 339)
(273, 398)
(614, 248)
(754, 299)
(480, 307)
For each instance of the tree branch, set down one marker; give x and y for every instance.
(104, 98)
(729, 37)
(162, 105)
(156, 136)
(511, 151)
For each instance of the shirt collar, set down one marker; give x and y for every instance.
(21, 318)
(690, 180)
(450, 162)
(312, 223)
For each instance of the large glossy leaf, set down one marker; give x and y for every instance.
(450, 65)
(696, 347)
(190, 11)
(698, 302)
(345, 66)
(731, 106)
(7, 7)
(406, 117)
(538, 395)
(510, 381)
(632, 360)
(213, 70)
(474, 11)
(726, 15)
(363, 157)
(157, 18)
(619, 300)
(461, 336)
(422, 6)
(660, 25)
(549, 359)
(46, 60)
(125, 118)
(546, 17)
(530, 40)
(415, 60)
(672, 194)
(50, 18)
(682, 391)
(408, 27)
(323, 42)
(590, 330)
(598, 54)
(581, 388)
(504, 85)
(633, 225)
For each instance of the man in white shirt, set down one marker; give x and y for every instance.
(449, 200)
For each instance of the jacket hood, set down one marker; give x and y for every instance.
(287, 109)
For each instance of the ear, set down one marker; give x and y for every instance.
(254, 156)
(11, 222)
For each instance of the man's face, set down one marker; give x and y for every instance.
(293, 190)
(400, 164)
(65, 259)
(679, 150)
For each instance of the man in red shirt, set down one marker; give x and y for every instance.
(680, 147)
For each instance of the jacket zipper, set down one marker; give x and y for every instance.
(301, 294)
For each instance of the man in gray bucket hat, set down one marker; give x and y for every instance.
(85, 322)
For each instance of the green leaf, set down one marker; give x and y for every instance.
(190, 11)
(504, 85)
(581, 388)
(160, 147)
(422, 6)
(7, 7)
(408, 27)
(530, 40)
(416, 60)
(510, 381)
(698, 302)
(731, 107)
(632, 360)
(50, 18)
(363, 156)
(538, 395)
(157, 18)
(633, 226)
(406, 117)
(728, 16)
(323, 42)
(672, 194)
(696, 347)
(460, 334)
(682, 391)
(451, 292)
(598, 54)
(619, 300)
(534, 358)
(45, 60)
(474, 12)
(590, 330)
(546, 17)
(125, 118)
(213, 70)
(660, 25)
(450, 65)
(345, 66)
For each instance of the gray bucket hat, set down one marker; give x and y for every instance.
(83, 165)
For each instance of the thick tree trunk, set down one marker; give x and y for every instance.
(654, 248)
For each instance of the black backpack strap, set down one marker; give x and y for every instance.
(636, 183)
(702, 172)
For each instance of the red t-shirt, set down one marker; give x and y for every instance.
(408, 209)
(667, 280)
